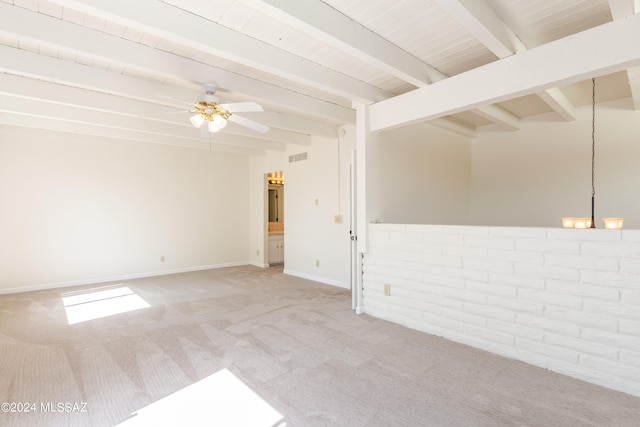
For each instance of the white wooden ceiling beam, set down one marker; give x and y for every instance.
(80, 118)
(50, 91)
(50, 124)
(27, 64)
(194, 31)
(68, 37)
(327, 24)
(620, 9)
(37, 97)
(484, 24)
(559, 102)
(274, 134)
(499, 116)
(634, 84)
(53, 93)
(595, 52)
(52, 80)
(299, 124)
(488, 28)
(455, 127)
(335, 29)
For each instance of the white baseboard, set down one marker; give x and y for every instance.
(81, 282)
(259, 264)
(318, 279)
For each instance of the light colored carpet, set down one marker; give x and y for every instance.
(248, 346)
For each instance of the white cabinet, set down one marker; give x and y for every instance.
(276, 249)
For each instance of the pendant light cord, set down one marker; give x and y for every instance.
(593, 151)
(593, 136)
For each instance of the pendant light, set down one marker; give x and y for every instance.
(610, 223)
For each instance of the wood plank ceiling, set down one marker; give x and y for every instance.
(128, 70)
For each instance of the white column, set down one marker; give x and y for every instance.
(364, 139)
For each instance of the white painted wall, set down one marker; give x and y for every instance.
(531, 177)
(310, 232)
(76, 209)
(419, 174)
(565, 300)
(542, 172)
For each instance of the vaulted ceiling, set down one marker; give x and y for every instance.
(130, 69)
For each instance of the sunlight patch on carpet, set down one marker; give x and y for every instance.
(220, 399)
(96, 304)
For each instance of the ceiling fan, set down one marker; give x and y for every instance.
(212, 114)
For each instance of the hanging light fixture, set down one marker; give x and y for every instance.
(610, 223)
(213, 113)
(593, 152)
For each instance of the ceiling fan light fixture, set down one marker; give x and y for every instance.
(197, 120)
(211, 109)
(213, 128)
(220, 122)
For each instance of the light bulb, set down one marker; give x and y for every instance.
(197, 120)
(220, 122)
(582, 222)
(613, 223)
(213, 128)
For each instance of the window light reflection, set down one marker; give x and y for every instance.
(220, 399)
(84, 306)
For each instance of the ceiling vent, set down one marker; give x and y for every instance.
(297, 157)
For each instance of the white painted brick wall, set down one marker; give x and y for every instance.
(565, 300)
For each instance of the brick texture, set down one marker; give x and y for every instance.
(565, 300)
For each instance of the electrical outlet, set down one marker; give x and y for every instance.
(316, 201)
(317, 263)
(161, 258)
(387, 290)
(258, 252)
(337, 219)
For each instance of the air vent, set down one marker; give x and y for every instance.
(297, 157)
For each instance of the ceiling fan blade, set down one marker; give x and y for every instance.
(258, 127)
(243, 107)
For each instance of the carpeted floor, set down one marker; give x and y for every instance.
(253, 347)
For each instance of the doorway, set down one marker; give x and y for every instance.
(275, 215)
